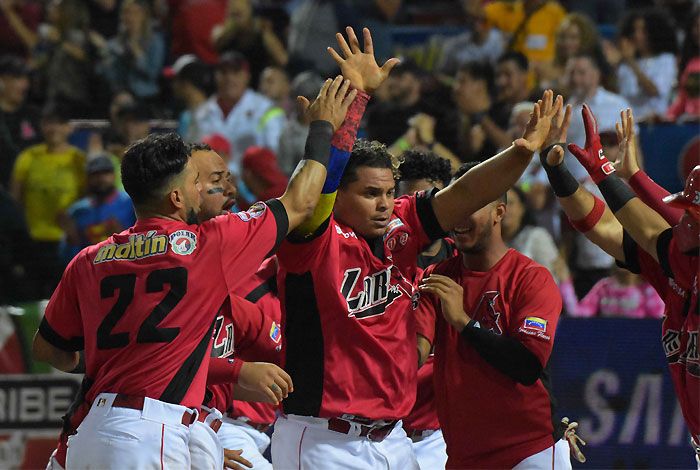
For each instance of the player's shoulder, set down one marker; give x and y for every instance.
(447, 267)
(525, 267)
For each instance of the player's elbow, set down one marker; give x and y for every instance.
(43, 351)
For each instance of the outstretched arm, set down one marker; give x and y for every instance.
(365, 75)
(489, 180)
(642, 222)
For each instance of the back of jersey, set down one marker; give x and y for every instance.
(143, 303)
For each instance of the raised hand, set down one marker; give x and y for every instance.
(591, 156)
(627, 164)
(537, 128)
(357, 66)
(331, 104)
(557, 135)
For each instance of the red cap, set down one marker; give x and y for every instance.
(263, 163)
(689, 198)
(218, 143)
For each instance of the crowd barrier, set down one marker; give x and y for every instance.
(608, 374)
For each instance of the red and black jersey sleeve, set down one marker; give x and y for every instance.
(535, 312)
(417, 211)
(247, 238)
(640, 262)
(300, 256)
(62, 326)
(257, 336)
(426, 312)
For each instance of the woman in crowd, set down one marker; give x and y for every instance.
(687, 102)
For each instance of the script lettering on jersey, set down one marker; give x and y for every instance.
(376, 295)
(139, 246)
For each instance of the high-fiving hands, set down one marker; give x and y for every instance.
(591, 156)
(537, 128)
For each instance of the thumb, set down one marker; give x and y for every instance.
(390, 64)
(303, 103)
(577, 152)
(555, 156)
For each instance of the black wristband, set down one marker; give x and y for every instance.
(563, 182)
(616, 192)
(318, 143)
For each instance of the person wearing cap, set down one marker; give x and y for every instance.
(103, 211)
(19, 122)
(192, 85)
(245, 117)
(651, 241)
(261, 175)
(46, 179)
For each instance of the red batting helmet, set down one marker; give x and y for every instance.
(689, 198)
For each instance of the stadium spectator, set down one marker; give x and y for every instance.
(135, 57)
(274, 83)
(15, 251)
(104, 16)
(295, 131)
(46, 179)
(646, 62)
(531, 25)
(104, 211)
(251, 35)
(19, 24)
(261, 175)
(687, 102)
(623, 294)
(19, 122)
(576, 34)
(521, 231)
(191, 26)
(584, 77)
(245, 117)
(65, 57)
(192, 85)
(481, 42)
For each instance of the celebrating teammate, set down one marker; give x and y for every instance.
(349, 339)
(142, 304)
(663, 251)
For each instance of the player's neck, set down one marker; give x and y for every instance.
(143, 213)
(487, 259)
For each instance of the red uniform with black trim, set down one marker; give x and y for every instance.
(349, 335)
(675, 278)
(489, 420)
(142, 304)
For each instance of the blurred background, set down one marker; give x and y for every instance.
(82, 79)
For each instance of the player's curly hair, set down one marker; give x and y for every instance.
(419, 165)
(369, 153)
(150, 163)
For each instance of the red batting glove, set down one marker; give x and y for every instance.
(591, 156)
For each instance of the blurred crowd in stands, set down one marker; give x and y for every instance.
(227, 72)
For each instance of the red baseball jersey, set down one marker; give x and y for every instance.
(424, 413)
(349, 335)
(488, 419)
(675, 278)
(143, 303)
(241, 330)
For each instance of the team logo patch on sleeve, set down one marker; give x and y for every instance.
(535, 323)
(275, 332)
(255, 211)
(183, 242)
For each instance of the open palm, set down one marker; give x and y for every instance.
(360, 67)
(540, 122)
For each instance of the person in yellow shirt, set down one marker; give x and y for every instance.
(531, 24)
(46, 179)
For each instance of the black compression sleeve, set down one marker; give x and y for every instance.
(616, 192)
(563, 182)
(507, 355)
(318, 143)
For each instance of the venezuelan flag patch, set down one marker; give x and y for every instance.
(535, 323)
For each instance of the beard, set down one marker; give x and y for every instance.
(101, 192)
(192, 217)
(481, 242)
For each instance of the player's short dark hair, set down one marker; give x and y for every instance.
(419, 165)
(367, 153)
(150, 163)
(193, 147)
(517, 57)
(465, 167)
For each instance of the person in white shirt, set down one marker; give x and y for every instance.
(646, 62)
(244, 117)
(583, 74)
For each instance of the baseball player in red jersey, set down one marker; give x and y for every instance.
(491, 314)
(142, 304)
(663, 249)
(422, 172)
(344, 285)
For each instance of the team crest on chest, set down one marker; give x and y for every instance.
(183, 242)
(486, 314)
(376, 295)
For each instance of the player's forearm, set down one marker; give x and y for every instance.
(305, 186)
(652, 194)
(481, 185)
(223, 370)
(505, 354)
